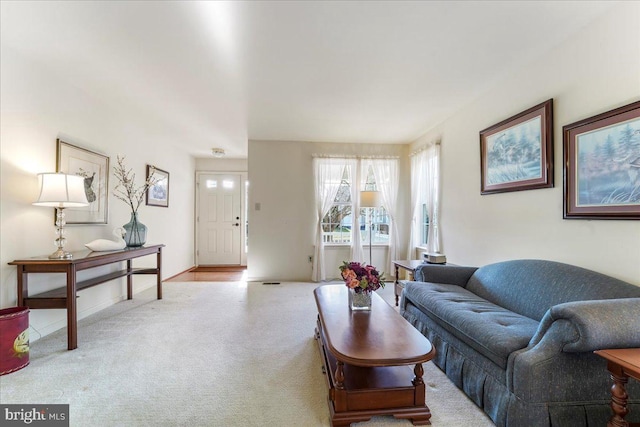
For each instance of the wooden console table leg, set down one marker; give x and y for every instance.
(619, 396)
(159, 275)
(129, 280)
(23, 286)
(72, 311)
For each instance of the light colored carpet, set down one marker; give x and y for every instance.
(208, 354)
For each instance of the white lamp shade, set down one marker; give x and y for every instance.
(60, 190)
(370, 199)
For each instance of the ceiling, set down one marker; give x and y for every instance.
(221, 73)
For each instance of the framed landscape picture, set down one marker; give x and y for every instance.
(602, 165)
(94, 168)
(158, 193)
(517, 153)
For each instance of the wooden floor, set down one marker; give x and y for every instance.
(211, 274)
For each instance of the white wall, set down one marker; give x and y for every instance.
(281, 233)
(38, 107)
(593, 72)
(221, 165)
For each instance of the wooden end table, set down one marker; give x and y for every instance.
(410, 265)
(622, 363)
(406, 264)
(372, 360)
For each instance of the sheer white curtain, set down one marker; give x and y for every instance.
(425, 190)
(417, 200)
(328, 175)
(387, 179)
(432, 169)
(356, 252)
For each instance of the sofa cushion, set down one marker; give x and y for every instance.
(531, 287)
(491, 330)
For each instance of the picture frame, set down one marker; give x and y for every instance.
(517, 153)
(94, 168)
(602, 165)
(158, 193)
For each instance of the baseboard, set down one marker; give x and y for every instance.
(188, 270)
(218, 268)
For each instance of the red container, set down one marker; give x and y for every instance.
(14, 339)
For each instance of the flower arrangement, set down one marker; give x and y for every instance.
(361, 277)
(126, 189)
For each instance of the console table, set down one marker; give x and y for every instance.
(65, 297)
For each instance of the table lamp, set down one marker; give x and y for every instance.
(60, 191)
(371, 200)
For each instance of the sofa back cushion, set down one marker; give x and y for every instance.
(531, 287)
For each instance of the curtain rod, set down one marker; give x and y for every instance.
(346, 156)
(424, 147)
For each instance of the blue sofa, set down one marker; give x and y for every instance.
(518, 337)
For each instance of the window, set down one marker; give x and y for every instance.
(379, 216)
(425, 198)
(338, 223)
(425, 225)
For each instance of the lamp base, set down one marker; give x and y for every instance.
(61, 254)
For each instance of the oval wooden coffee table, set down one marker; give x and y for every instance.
(372, 360)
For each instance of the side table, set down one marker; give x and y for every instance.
(406, 264)
(622, 363)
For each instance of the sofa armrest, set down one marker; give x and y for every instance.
(441, 273)
(595, 324)
(561, 351)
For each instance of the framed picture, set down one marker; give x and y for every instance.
(517, 153)
(94, 168)
(602, 165)
(158, 193)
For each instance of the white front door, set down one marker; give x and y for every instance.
(219, 225)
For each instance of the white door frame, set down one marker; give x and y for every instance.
(244, 177)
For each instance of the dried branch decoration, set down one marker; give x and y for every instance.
(126, 189)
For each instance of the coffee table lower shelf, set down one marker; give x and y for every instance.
(371, 391)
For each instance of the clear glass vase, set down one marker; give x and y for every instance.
(359, 301)
(136, 232)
